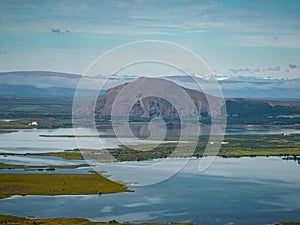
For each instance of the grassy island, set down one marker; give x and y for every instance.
(57, 184)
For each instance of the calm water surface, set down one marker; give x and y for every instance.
(33, 141)
(231, 191)
(30, 141)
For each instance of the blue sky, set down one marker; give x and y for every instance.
(247, 38)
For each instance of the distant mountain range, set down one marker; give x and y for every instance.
(39, 84)
(239, 111)
(51, 84)
(17, 88)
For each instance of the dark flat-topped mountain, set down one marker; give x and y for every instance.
(155, 103)
(239, 111)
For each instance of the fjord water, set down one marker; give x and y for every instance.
(39, 140)
(56, 140)
(257, 190)
(232, 191)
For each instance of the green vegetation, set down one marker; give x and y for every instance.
(233, 146)
(6, 131)
(49, 167)
(67, 154)
(72, 136)
(71, 155)
(26, 108)
(14, 125)
(35, 107)
(44, 123)
(15, 220)
(288, 223)
(57, 184)
(51, 123)
(49, 112)
(286, 146)
(57, 112)
(260, 145)
(245, 111)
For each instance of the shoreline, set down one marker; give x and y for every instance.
(41, 167)
(52, 221)
(76, 155)
(58, 184)
(56, 123)
(8, 219)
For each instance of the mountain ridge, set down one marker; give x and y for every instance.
(239, 110)
(233, 87)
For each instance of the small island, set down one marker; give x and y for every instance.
(57, 184)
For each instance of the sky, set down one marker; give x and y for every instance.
(234, 37)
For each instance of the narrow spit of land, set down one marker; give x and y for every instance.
(286, 146)
(48, 167)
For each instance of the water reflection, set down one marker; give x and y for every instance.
(233, 191)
